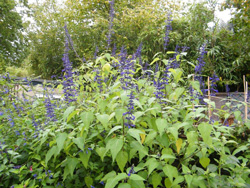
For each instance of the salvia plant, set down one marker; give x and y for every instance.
(120, 123)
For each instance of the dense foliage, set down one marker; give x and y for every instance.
(116, 128)
(12, 48)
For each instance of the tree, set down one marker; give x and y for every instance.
(12, 48)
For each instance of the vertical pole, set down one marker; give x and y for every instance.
(209, 97)
(193, 96)
(246, 93)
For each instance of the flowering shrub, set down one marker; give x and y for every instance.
(122, 136)
(120, 124)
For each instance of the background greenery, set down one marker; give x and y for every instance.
(41, 41)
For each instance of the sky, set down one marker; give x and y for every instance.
(222, 15)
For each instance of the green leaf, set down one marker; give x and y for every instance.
(151, 136)
(156, 59)
(241, 148)
(87, 118)
(204, 161)
(72, 114)
(124, 185)
(177, 73)
(167, 183)
(192, 137)
(205, 130)
(137, 103)
(136, 177)
(79, 142)
(50, 153)
(60, 140)
(114, 129)
(112, 182)
(156, 180)
(84, 158)
(70, 166)
(138, 147)
(119, 114)
(161, 124)
(68, 111)
(167, 156)
(135, 133)
(152, 164)
(115, 145)
(122, 159)
(170, 171)
(104, 119)
(101, 152)
(188, 179)
(109, 175)
(88, 181)
(174, 132)
(136, 184)
(177, 93)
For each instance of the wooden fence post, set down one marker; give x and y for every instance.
(245, 95)
(209, 97)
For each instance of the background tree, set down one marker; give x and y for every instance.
(12, 48)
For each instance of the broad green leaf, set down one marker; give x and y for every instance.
(151, 136)
(167, 156)
(161, 124)
(124, 185)
(136, 184)
(241, 148)
(50, 153)
(177, 93)
(177, 181)
(178, 145)
(156, 59)
(115, 145)
(112, 182)
(152, 164)
(137, 103)
(68, 111)
(174, 132)
(177, 73)
(72, 114)
(101, 152)
(122, 159)
(84, 158)
(136, 177)
(135, 133)
(170, 171)
(136, 146)
(204, 161)
(188, 179)
(87, 118)
(109, 175)
(70, 166)
(205, 130)
(61, 137)
(119, 114)
(104, 119)
(88, 181)
(192, 137)
(114, 129)
(167, 183)
(79, 142)
(156, 180)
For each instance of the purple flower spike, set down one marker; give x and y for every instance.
(168, 29)
(68, 83)
(111, 17)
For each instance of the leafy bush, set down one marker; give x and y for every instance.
(115, 129)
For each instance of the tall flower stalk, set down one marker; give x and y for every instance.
(111, 19)
(168, 28)
(68, 83)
